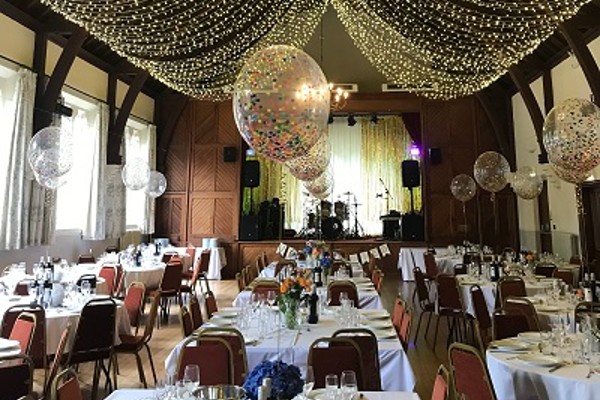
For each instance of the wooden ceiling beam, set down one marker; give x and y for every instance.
(493, 112)
(171, 106)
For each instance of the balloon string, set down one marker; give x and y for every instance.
(464, 207)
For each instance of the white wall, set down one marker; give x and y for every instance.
(567, 81)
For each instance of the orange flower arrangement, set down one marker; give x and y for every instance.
(293, 287)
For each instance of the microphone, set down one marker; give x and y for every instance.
(382, 182)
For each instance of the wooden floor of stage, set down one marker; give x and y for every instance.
(424, 359)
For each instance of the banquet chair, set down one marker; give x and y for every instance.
(377, 279)
(546, 270)
(94, 340)
(187, 326)
(508, 322)
(258, 261)
(189, 271)
(23, 331)
(245, 277)
(37, 349)
(57, 361)
(398, 313)
(134, 344)
(111, 249)
(66, 386)
(196, 312)
(340, 254)
(370, 267)
(332, 355)
(16, 377)
(134, 302)
(510, 286)
(367, 343)
(575, 260)
(335, 288)
(210, 304)
(482, 315)
(527, 308)
(425, 303)
(170, 287)
(404, 332)
(584, 308)
(91, 278)
(265, 260)
(471, 379)
(450, 306)
(281, 264)
(190, 287)
(341, 265)
(86, 259)
(119, 281)
(237, 343)
(441, 384)
(460, 269)
(264, 287)
(431, 268)
(565, 275)
(109, 273)
(167, 256)
(22, 287)
(240, 282)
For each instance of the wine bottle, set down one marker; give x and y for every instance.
(313, 301)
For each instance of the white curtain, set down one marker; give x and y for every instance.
(148, 225)
(17, 109)
(114, 206)
(94, 227)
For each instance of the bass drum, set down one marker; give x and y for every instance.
(332, 228)
(326, 209)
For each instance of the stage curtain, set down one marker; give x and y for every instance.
(384, 146)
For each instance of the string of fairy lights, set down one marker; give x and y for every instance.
(439, 48)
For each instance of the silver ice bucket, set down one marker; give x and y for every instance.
(220, 392)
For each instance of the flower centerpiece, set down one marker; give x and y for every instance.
(286, 381)
(316, 248)
(292, 291)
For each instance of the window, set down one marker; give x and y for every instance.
(139, 143)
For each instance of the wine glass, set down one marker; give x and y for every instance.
(191, 375)
(86, 288)
(309, 381)
(271, 297)
(331, 386)
(348, 385)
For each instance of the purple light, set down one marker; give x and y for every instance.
(415, 151)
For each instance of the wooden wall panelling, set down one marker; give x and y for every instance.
(171, 210)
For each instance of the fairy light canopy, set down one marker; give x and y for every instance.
(439, 48)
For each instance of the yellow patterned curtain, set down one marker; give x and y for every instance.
(384, 146)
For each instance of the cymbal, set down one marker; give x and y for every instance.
(347, 194)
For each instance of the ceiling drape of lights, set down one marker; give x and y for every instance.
(438, 48)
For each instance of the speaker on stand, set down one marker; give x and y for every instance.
(412, 227)
(250, 224)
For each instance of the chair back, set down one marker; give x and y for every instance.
(169, 256)
(245, 277)
(584, 308)
(91, 278)
(37, 350)
(448, 294)
(367, 343)
(56, 363)
(22, 287)
(265, 261)
(23, 331)
(264, 287)
(398, 314)
(237, 344)
(210, 303)
(566, 275)
(460, 269)
(441, 384)
(186, 321)
(171, 282)
(112, 249)
(337, 265)
(95, 333)
(508, 322)
(404, 332)
(421, 286)
(152, 315)
(119, 280)
(240, 282)
(335, 288)
(204, 261)
(281, 264)
(334, 355)
(196, 313)
(431, 269)
(546, 270)
(191, 251)
(109, 273)
(86, 259)
(480, 308)
(214, 357)
(510, 286)
(66, 386)
(16, 377)
(377, 279)
(258, 261)
(527, 308)
(471, 378)
(134, 301)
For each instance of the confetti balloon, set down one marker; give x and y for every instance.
(490, 171)
(50, 152)
(313, 164)
(320, 185)
(157, 184)
(572, 135)
(136, 174)
(463, 187)
(570, 175)
(281, 102)
(526, 183)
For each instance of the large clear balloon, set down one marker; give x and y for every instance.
(572, 135)
(313, 164)
(490, 171)
(157, 185)
(52, 183)
(320, 185)
(571, 175)
(136, 174)
(463, 187)
(50, 152)
(281, 102)
(526, 183)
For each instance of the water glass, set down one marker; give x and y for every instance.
(331, 386)
(86, 288)
(309, 381)
(192, 373)
(348, 385)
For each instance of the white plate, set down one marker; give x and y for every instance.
(378, 324)
(361, 280)
(225, 314)
(509, 345)
(317, 394)
(375, 314)
(539, 360)
(547, 308)
(530, 336)
(6, 344)
(385, 333)
(219, 322)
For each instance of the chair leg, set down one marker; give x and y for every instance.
(114, 370)
(428, 323)
(95, 380)
(418, 327)
(151, 363)
(140, 368)
(437, 327)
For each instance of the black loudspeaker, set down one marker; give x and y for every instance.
(229, 154)
(252, 173)
(435, 155)
(249, 229)
(413, 228)
(411, 176)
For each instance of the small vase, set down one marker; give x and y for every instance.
(290, 315)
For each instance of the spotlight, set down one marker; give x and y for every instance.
(374, 119)
(330, 119)
(351, 120)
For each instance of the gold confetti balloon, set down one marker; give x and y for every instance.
(490, 171)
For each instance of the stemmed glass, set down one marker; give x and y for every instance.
(309, 381)
(271, 297)
(191, 377)
(348, 384)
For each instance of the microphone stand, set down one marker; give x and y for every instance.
(387, 197)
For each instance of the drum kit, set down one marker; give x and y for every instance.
(332, 221)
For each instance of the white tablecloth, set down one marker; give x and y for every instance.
(145, 394)
(217, 261)
(57, 320)
(405, 261)
(150, 273)
(292, 348)
(515, 380)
